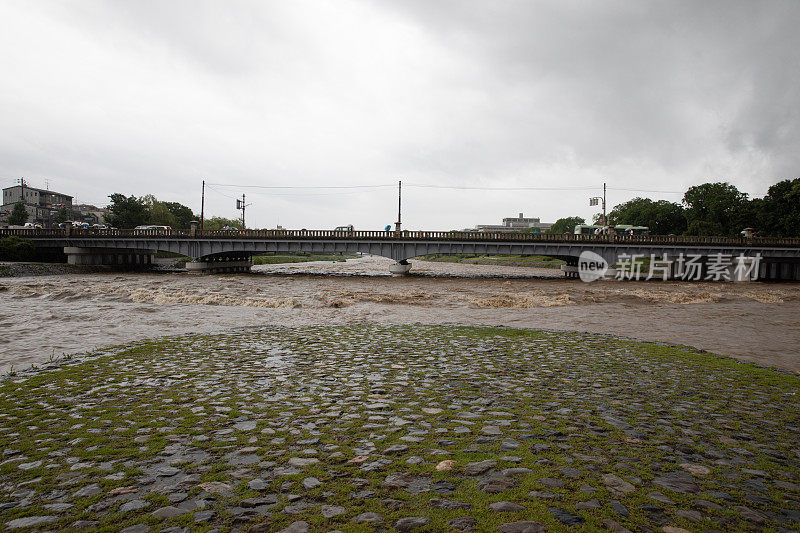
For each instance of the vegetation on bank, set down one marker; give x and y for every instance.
(299, 257)
(538, 261)
(16, 249)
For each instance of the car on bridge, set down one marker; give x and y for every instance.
(150, 229)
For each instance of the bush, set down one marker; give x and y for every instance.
(15, 249)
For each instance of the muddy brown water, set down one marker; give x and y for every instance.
(42, 316)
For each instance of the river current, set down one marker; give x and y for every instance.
(44, 316)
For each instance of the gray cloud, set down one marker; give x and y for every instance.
(151, 97)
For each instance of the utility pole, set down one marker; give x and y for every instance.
(596, 200)
(241, 205)
(399, 203)
(202, 204)
(605, 220)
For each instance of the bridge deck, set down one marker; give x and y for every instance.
(405, 236)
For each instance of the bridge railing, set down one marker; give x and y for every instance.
(512, 237)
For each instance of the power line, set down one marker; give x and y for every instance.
(644, 190)
(429, 186)
(302, 186)
(220, 192)
(468, 188)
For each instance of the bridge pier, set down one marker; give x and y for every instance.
(227, 264)
(779, 271)
(400, 268)
(109, 256)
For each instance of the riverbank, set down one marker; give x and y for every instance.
(535, 261)
(22, 269)
(364, 427)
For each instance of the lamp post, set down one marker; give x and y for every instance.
(595, 200)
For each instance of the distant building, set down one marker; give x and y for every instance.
(89, 213)
(510, 224)
(42, 205)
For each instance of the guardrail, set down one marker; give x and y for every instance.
(405, 235)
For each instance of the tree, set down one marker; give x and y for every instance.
(215, 223)
(662, 217)
(127, 212)
(19, 215)
(160, 215)
(704, 228)
(566, 225)
(715, 206)
(15, 249)
(61, 216)
(778, 213)
(182, 214)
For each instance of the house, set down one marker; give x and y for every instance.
(42, 205)
(510, 224)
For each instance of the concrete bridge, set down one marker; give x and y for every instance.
(232, 250)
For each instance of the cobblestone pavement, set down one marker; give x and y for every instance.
(408, 428)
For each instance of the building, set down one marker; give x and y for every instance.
(89, 213)
(42, 205)
(510, 224)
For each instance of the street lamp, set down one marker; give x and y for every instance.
(595, 200)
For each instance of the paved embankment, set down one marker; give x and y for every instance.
(363, 427)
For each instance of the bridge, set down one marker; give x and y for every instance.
(232, 250)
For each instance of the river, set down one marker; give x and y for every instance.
(44, 316)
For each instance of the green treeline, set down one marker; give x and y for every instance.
(125, 212)
(710, 209)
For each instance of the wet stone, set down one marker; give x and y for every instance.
(677, 481)
(506, 507)
(522, 527)
(297, 527)
(138, 528)
(133, 505)
(542, 495)
(370, 518)
(311, 482)
(588, 504)
(565, 517)
(257, 484)
(474, 469)
(617, 485)
(88, 491)
(495, 485)
(30, 521)
(463, 523)
(169, 512)
(204, 515)
(509, 445)
(448, 504)
(550, 482)
(411, 523)
(329, 511)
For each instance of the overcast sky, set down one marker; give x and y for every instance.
(151, 97)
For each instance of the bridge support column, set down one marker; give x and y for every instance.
(133, 259)
(400, 268)
(221, 265)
